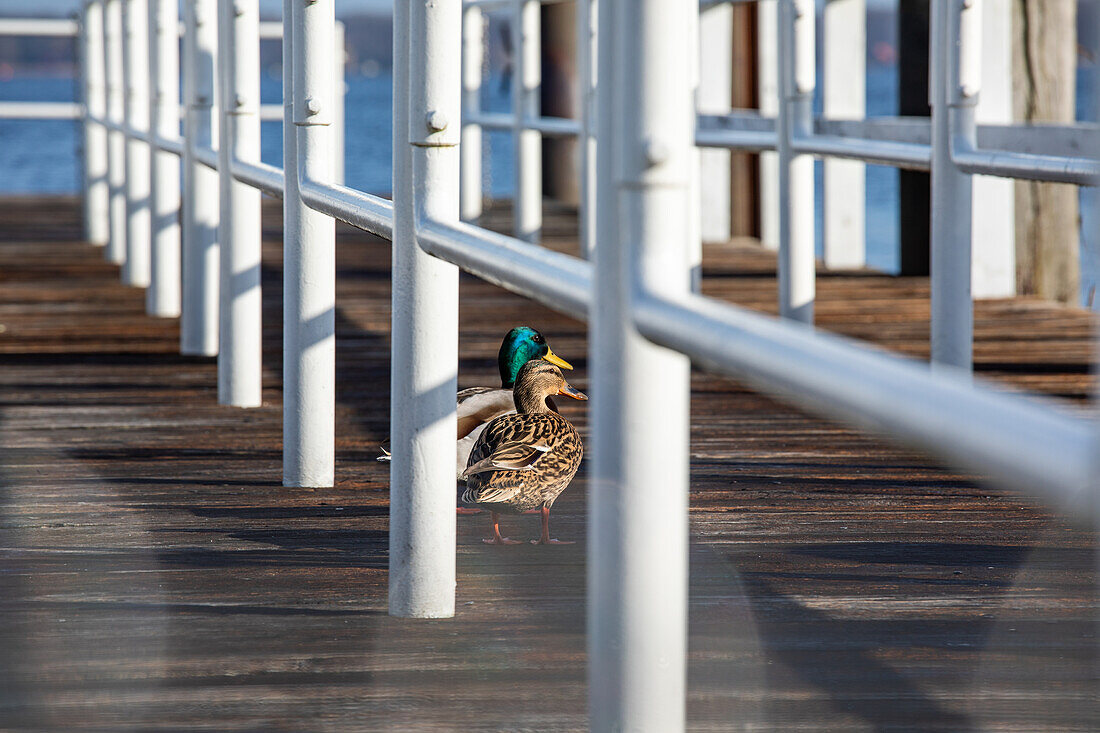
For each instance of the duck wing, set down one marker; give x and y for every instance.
(479, 405)
(513, 455)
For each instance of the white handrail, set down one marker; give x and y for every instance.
(558, 281)
(41, 110)
(38, 27)
(1024, 443)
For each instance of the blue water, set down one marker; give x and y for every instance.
(369, 143)
(41, 156)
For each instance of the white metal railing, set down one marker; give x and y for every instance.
(635, 290)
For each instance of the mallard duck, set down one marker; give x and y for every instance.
(524, 461)
(478, 405)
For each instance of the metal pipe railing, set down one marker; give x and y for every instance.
(558, 281)
(844, 182)
(136, 269)
(116, 139)
(135, 115)
(524, 121)
(41, 110)
(200, 212)
(748, 140)
(1014, 441)
(1053, 150)
(586, 78)
(97, 193)
(527, 141)
(473, 58)
(267, 178)
(38, 27)
(796, 265)
(971, 159)
(240, 324)
(954, 90)
(424, 326)
(369, 213)
(163, 297)
(882, 152)
(638, 506)
(767, 82)
(309, 253)
(552, 126)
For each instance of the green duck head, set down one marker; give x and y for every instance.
(521, 345)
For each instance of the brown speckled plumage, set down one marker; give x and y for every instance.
(546, 450)
(524, 461)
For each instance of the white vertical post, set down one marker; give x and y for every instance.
(339, 121)
(424, 364)
(473, 57)
(796, 172)
(638, 499)
(116, 139)
(187, 162)
(240, 327)
(845, 98)
(96, 191)
(586, 78)
(767, 80)
(309, 255)
(201, 256)
(956, 38)
(1093, 195)
(715, 97)
(135, 271)
(693, 241)
(526, 80)
(994, 232)
(163, 297)
(294, 470)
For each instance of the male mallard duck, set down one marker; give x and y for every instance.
(523, 461)
(478, 405)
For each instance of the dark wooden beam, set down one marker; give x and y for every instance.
(560, 173)
(913, 186)
(744, 167)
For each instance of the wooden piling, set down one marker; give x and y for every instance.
(1044, 62)
(560, 174)
(914, 192)
(745, 167)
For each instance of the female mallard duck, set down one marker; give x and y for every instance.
(523, 461)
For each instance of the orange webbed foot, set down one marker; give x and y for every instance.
(501, 541)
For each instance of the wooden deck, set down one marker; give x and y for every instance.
(155, 575)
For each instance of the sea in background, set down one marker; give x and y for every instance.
(41, 157)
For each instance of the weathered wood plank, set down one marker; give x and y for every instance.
(154, 574)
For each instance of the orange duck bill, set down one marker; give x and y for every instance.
(570, 391)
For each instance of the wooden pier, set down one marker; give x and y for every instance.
(154, 574)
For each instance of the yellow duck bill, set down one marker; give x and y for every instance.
(555, 359)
